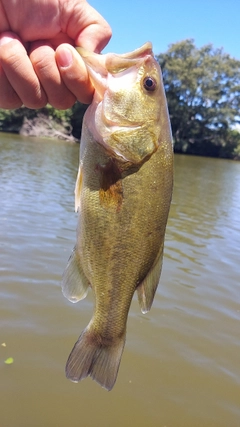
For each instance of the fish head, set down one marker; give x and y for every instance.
(129, 105)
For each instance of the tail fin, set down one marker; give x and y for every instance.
(100, 360)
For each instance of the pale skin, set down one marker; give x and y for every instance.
(38, 62)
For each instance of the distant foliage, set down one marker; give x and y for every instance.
(77, 113)
(11, 120)
(203, 92)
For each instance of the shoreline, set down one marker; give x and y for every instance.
(45, 126)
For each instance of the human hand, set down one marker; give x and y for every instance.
(38, 63)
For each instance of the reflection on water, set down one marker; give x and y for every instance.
(181, 361)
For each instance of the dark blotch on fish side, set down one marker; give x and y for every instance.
(111, 191)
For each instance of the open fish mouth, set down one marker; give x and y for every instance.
(100, 66)
(119, 83)
(114, 63)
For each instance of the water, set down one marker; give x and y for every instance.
(181, 364)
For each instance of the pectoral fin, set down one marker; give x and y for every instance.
(78, 189)
(74, 282)
(146, 290)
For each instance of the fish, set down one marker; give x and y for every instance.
(123, 194)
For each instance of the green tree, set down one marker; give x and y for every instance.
(76, 119)
(11, 120)
(203, 92)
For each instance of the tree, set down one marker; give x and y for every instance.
(203, 92)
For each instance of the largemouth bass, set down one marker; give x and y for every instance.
(123, 194)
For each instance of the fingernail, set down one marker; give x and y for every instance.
(64, 57)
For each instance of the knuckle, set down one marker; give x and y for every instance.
(34, 97)
(42, 60)
(40, 65)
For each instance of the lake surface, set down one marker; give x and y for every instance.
(181, 364)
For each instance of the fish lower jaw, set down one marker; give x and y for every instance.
(127, 128)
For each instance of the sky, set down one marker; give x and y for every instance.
(134, 22)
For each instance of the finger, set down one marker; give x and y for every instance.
(87, 27)
(74, 73)
(43, 59)
(8, 97)
(19, 72)
(94, 37)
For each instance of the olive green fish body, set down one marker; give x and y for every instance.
(123, 209)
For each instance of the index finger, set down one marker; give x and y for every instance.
(88, 28)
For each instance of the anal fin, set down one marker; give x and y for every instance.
(147, 288)
(74, 282)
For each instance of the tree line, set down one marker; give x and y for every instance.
(203, 92)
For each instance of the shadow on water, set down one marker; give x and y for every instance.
(181, 362)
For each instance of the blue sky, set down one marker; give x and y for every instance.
(134, 22)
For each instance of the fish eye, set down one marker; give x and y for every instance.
(149, 84)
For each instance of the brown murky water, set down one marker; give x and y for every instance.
(181, 364)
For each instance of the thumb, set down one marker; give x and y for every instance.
(74, 73)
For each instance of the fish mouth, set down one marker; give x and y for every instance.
(112, 125)
(99, 66)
